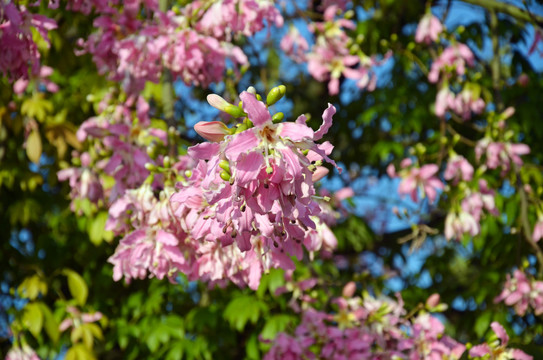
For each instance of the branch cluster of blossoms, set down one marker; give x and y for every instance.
(333, 54)
(377, 328)
(135, 44)
(447, 70)
(20, 60)
(522, 293)
(229, 211)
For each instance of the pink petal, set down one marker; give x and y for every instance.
(248, 166)
(500, 331)
(256, 110)
(204, 151)
(326, 122)
(241, 143)
(295, 132)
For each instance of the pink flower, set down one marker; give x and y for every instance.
(538, 230)
(76, 318)
(214, 131)
(456, 225)
(422, 178)
(500, 154)
(458, 168)
(428, 29)
(22, 353)
(295, 45)
(456, 56)
(498, 348)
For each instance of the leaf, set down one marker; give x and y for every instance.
(34, 146)
(33, 319)
(275, 324)
(96, 229)
(243, 309)
(36, 107)
(482, 323)
(78, 287)
(79, 352)
(51, 325)
(31, 287)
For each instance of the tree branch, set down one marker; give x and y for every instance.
(508, 9)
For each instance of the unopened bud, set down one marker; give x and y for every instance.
(167, 161)
(349, 289)
(188, 173)
(225, 165)
(150, 166)
(276, 94)
(277, 118)
(319, 173)
(219, 103)
(432, 301)
(251, 90)
(214, 131)
(225, 176)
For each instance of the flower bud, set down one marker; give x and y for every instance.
(225, 176)
(349, 289)
(277, 118)
(319, 173)
(433, 301)
(213, 130)
(276, 94)
(225, 165)
(219, 103)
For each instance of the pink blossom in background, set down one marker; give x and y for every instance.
(458, 169)
(456, 225)
(76, 318)
(24, 352)
(522, 293)
(538, 230)
(366, 328)
(457, 56)
(423, 178)
(465, 104)
(445, 99)
(500, 154)
(295, 45)
(428, 29)
(20, 56)
(498, 348)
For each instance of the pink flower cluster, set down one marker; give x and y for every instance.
(455, 57)
(415, 179)
(498, 348)
(194, 46)
(463, 104)
(120, 147)
(331, 57)
(20, 60)
(77, 318)
(252, 192)
(500, 154)
(522, 293)
(467, 221)
(24, 352)
(428, 29)
(366, 328)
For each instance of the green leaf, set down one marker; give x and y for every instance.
(33, 319)
(78, 287)
(79, 352)
(243, 309)
(482, 323)
(36, 107)
(275, 324)
(50, 324)
(34, 146)
(31, 287)
(96, 228)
